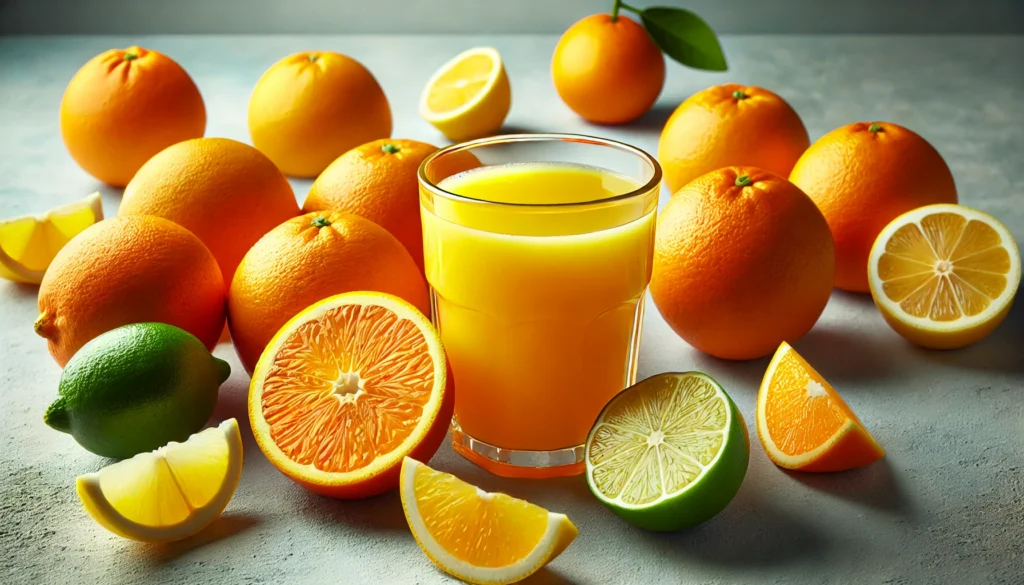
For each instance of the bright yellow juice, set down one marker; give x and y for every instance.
(539, 306)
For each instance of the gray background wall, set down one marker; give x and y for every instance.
(496, 16)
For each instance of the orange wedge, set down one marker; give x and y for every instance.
(477, 536)
(348, 388)
(803, 422)
(944, 276)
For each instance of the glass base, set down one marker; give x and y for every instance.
(515, 463)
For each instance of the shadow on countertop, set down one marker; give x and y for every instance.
(999, 352)
(874, 486)
(227, 525)
(751, 532)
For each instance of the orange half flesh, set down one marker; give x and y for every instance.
(804, 424)
(348, 388)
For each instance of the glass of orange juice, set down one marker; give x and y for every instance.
(538, 258)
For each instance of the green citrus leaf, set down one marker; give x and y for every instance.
(685, 37)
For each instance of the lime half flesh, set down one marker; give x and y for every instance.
(668, 452)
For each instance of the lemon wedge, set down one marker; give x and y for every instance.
(479, 537)
(28, 244)
(168, 494)
(469, 96)
(944, 276)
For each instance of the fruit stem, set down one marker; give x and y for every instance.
(56, 416)
(874, 128)
(619, 4)
(43, 325)
(130, 56)
(739, 95)
(320, 222)
(742, 181)
(312, 58)
(223, 369)
(389, 149)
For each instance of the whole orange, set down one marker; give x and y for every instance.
(743, 261)
(378, 181)
(227, 193)
(307, 259)
(124, 106)
(309, 108)
(864, 175)
(607, 70)
(129, 270)
(730, 125)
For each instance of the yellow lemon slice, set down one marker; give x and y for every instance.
(944, 276)
(477, 536)
(28, 244)
(469, 96)
(171, 493)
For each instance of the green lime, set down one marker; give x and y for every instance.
(669, 452)
(136, 388)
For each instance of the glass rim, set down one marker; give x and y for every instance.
(647, 187)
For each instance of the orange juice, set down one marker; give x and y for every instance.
(538, 276)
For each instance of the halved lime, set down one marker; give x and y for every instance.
(668, 452)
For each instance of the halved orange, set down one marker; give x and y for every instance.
(944, 276)
(347, 389)
(804, 424)
(478, 536)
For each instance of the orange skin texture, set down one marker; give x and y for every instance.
(227, 193)
(118, 112)
(862, 180)
(297, 264)
(310, 108)
(129, 270)
(738, 270)
(713, 129)
(382, 186)
(608, 72)
(388, 479)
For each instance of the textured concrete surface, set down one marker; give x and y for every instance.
(945, 506)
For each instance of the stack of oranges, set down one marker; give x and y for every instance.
(763, 224)
(209, 232)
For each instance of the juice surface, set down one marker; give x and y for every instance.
(540, 329)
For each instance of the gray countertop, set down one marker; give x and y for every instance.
(945, 506)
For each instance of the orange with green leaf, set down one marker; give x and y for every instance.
(609, 69)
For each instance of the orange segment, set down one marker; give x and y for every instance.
(519, 524)
(804, 424)
(348, 388)
(944, 275)
(477, 536)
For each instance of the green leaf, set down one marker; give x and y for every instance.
(685, 37)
